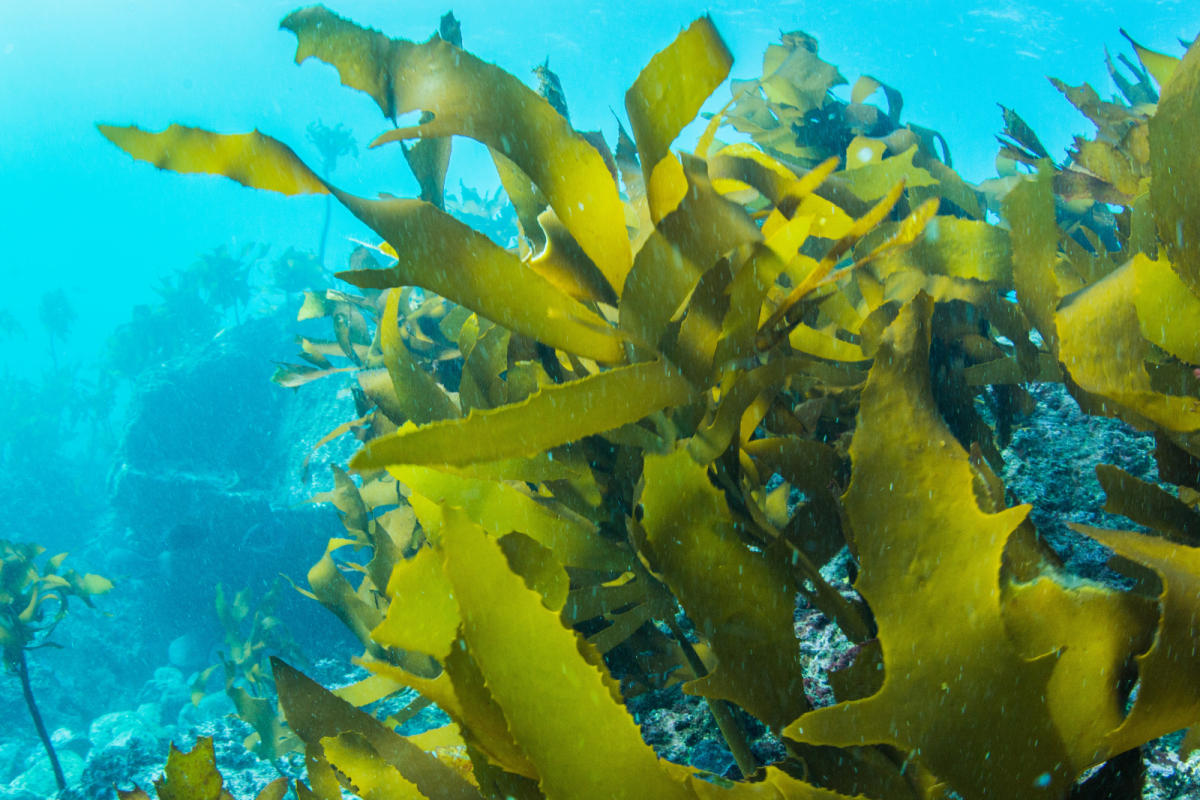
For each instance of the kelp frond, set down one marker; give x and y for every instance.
(574, 446)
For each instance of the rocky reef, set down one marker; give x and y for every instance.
(109, 734)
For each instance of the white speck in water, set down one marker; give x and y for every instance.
(8, 48)
(865, 154)
(1042, 781)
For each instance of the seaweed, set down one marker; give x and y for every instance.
(57, 316)
(194, 776)
(578, 450)
(26, 590)
(248, 680)
(333, 143)
(10, 328)
(193, 304)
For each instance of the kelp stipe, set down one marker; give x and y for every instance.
(571, 447)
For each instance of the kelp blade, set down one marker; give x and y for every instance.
(252, 159)
(469, 97)
(927, 548)
(486, 279)
(552, 416)
(583, 743)
(441, 254)
(670, 90)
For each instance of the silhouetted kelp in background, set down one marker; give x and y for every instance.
(674, 333)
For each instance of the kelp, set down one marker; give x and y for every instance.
(194, 776)
(248, 680)
(611, 460)
(34, 599)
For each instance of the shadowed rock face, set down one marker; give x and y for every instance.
(206, 481)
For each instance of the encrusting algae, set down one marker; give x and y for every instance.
(568, 444)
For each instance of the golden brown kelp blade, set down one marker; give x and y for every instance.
(418, 394)
(1029, 209)
(743, 601)
(670, 90)
(930, 566)
(582, 743)
(487, 279)
(1149, 505)
(862, 226)
(685, 244)
(1168, 699)
(422, 615)
(1160, 65)
(1023, 144)
(559, 707)
(251, 159)
(1097, 632)
(315, 713)
(192, 775)
(1175, 163)
(469, 97)
(502, 508)
(1168, 311)
(552, 416)
(1102, 347)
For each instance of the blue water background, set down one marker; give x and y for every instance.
(78, 214)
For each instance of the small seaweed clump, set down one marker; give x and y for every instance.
(578, 449)
(29, 591)
(194, 776)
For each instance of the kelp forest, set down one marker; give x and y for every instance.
(704, 391)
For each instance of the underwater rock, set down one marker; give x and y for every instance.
(211, 707)
(168, 691)
(823, 644)
(681, 729)
(711, 756)
(1051, 464)
(12, 756)
(124, 762)
(66, 739)
(124, 725)
(135, 756)
(38, 780)
(186, 651)
(245, 774)
(208, 466)
(1168, 776)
